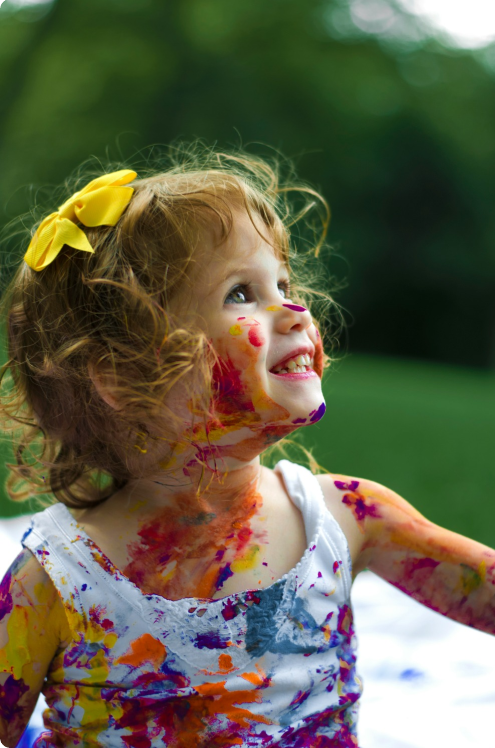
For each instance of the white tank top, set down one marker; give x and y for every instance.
(269, 667)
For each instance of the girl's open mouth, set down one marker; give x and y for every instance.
(302, 364)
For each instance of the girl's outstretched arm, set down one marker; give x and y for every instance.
(33, 626)
(448, 572)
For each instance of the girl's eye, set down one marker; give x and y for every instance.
(284, 288)
(238, 295)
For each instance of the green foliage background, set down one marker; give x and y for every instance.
(397, 131)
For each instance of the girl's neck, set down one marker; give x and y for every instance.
(205, 489)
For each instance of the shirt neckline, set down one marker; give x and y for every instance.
(107, 568)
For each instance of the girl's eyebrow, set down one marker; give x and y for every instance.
(244, 269)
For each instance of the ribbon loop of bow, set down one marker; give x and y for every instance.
(100, 203)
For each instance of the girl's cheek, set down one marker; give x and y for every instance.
(242, 342)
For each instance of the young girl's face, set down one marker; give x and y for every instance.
(269, 376)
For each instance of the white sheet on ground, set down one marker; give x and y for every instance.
(428, 681)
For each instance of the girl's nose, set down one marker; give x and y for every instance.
(293, 317)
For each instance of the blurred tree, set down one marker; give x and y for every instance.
(396, 130)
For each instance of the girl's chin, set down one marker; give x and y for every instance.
(298, 418)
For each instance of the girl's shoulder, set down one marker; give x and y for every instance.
(33, 626)
(26, 584)
(335, 488)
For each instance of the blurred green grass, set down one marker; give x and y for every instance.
(426, 431)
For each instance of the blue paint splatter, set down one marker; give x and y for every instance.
(411, 674)
(223, 575)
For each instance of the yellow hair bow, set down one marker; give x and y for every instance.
(100, 203)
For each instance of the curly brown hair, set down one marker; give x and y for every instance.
(108, 314)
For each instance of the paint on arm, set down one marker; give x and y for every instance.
(33, 626)
(443, 570)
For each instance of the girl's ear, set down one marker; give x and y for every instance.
(104, 384)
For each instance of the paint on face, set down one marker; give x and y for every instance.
(317, 415)
(295, 307)
(274, 308)
(255, 337)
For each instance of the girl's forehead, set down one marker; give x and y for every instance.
(246, 243)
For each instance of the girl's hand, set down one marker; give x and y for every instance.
(445, 571)
(33, 626)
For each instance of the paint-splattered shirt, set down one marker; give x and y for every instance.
(270, 667)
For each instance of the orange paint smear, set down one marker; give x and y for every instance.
(142, 650)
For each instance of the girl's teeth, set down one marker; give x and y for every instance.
(299, 364)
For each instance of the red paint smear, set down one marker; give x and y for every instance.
(195, 720)
(414, 565)
(230, 395)
(255, 337)
(201, 548)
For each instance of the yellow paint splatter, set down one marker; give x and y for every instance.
(471, 579)
(274, 309)
(42, 593)
(246, 562)
(236, 330)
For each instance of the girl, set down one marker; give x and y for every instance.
(199, 599)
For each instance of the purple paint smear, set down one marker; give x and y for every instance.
(317, 415)
(361, 509)
(295, 307)
(5, 596)
(10, 694)
(346, 486)
(223, 575)
(210, 640)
